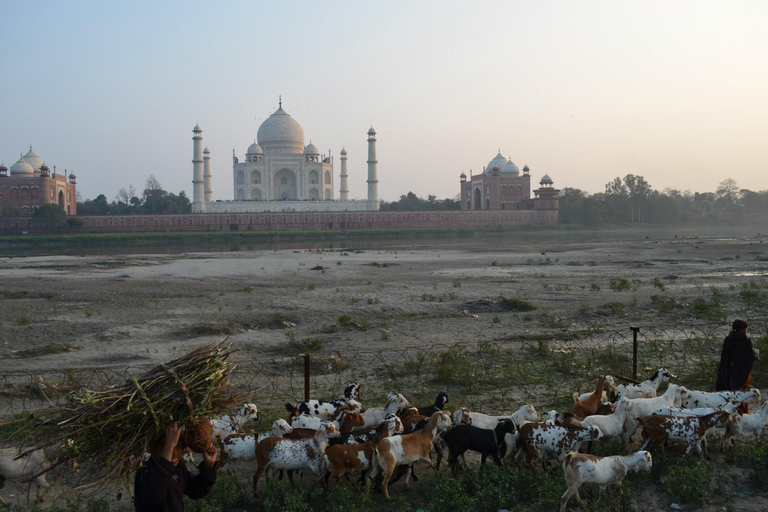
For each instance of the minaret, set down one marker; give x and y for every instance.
(373, 182)
(344, 191)
(207, 174)
(197, 171)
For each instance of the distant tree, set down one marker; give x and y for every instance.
(49, 215)
(8, 209)
(639, 192)
(411, 202)
(154, 195)
(727, 194)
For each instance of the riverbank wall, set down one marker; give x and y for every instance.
(287, 221)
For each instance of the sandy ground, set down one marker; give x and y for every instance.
(143, 309)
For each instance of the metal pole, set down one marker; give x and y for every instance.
(635, 330)
(306, 375)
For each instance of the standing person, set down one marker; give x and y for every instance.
(162, 481)
(735, 370)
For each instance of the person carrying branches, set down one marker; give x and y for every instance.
(162, 481)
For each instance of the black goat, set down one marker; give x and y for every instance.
(486, 442)
(440, 401)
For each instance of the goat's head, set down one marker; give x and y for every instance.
(441, 400)
(248, 412)
(396, 402)
(327, 429)
(352, 391)
(281, 427)
(462, 416)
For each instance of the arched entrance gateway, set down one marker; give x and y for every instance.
(61, 199)
(285, 185)
(478, 199)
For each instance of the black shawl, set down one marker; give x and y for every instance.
(735, 362)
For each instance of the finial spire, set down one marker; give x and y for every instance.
(281, 101)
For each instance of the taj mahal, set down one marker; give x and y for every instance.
(281, 174)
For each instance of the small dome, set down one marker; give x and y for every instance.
(526, 168)
(462, 175)
(3, 167)
(281, 133)
(254, 149)
(206, 150)
(510, 168)
(546, 179)
(197, 129)
(22, 168)
(371, 131)
(72, 175)
(343, 151)
(311, 149)
(498, 161)
(32, 159)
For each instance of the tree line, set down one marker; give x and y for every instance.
(631, 200)
(154, 199)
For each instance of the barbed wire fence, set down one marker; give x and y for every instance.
(494, 376)
(490, 376)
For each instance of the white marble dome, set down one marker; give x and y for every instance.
(546, 179)
(280, 133)
(32, 159)
(311, 149)
(254, 149)
(22, 168)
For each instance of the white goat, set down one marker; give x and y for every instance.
(611, 425)
(526, 412)
(25, 467)
(750, 423)
(644, 407)
(229, 424)
(718, 399)
(243, 446)
(375, 415)
(646, 389)
(581, 468)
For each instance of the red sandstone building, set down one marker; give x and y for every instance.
(501, 187)
(31, 184)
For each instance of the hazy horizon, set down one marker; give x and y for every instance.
(583, 92)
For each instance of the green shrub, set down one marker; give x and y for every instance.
(688, 483)
(22, 320)
(620, 285)
(346, 498)
(227, 494)
(307, 345)
(345, 319)
(280, 496)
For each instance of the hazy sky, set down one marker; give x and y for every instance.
(583, 91)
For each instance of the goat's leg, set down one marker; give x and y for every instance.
(601, 491)
(387, 470)
(408, 474)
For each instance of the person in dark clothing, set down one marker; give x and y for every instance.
(735, 370)
(162, 481)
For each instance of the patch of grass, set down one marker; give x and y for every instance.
(521, 304)
(620, 285)
(22, 320)
(594, 287)
(228, 494)
(658, 284)
(247, 289)
(753, 298)
(280, 496)
(688, 482)
(307, 345)
(330, 328)
(496, 319)
(708, 310)
(345, 320)
(88, 313)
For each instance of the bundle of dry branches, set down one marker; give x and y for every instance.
(105, 433)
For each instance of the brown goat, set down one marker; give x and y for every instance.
(591, 404)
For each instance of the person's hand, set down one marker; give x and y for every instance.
(209, 457)
(757, 353)
(172, 433)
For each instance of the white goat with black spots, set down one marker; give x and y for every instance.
(718, 399)
(294, 454)
(229, 424)
(243, 446)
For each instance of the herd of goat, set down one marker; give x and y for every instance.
(334, 438)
